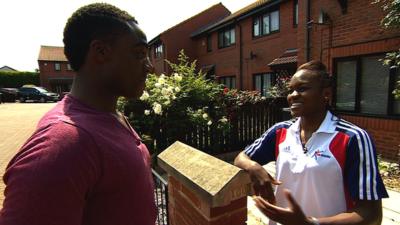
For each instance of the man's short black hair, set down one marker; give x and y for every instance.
(95, 21)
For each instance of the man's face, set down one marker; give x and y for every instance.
(129, 63)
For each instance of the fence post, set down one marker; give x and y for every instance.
(203, 189)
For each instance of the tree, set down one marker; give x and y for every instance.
(392, 21)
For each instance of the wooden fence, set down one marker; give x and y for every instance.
(248, 123)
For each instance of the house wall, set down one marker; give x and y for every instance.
(47, 72)
(356, 32)
(178, 37)
(266, 48)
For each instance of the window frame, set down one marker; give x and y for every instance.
(260, 19)
(209, 43)
(357, 108)
(221, 34)
(158, 54)
(231, 77)
(272, 80)
(295, 13)
(57, 66)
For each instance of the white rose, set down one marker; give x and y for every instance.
(173, 97)
(161, 80)
(205, 115)
(157, 108)
(158, 85)
(223, 120)
(146, 112)
(167, 102)
(144, 96)
(164, 91)
(209, 123)
(177, 77)
(162, 75)
(177, 89)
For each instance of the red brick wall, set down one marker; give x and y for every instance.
(266, 48)
(357, 32)
(384, 132)
(178, 37)
(187, 208)
(47, 70)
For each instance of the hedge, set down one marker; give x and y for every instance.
(18, 79)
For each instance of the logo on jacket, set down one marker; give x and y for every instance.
(319, 153)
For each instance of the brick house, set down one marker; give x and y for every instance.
(251, 47)
(55, 72)
(168, 44)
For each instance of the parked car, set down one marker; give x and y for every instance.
(8, 94)
(39, 94)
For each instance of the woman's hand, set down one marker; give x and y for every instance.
(293, 215)
(261, 179)
(262, 182)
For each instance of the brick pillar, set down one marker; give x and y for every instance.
(203, 190)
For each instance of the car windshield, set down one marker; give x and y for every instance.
(42, 90)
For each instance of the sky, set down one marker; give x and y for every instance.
(25, 25)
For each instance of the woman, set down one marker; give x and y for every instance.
(326, 167)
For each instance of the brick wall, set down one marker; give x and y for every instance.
(178, 37)
(384, 132)
(266, 48)
(356, 32)
(203, 190)
(187, 208)
(47, 70)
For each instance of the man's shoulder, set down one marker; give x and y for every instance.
(58, 134)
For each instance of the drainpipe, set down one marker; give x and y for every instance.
(308, 33)
(240, 57)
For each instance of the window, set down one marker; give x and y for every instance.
(229, 82)
(396, 103)
(226, 38)
(209, 43)
(69, 67)
(266, 24)
(262, 83)
(158, 50)
(296, 13)
(57, 66)
(363, 85)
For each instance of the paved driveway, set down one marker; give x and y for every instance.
(17, 122)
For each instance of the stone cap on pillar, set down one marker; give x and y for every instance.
(216, 181)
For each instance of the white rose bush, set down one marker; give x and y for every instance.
(173, 105)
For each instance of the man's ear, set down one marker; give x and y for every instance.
(99, 51)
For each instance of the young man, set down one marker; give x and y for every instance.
(84, 164)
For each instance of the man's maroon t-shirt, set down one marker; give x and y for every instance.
(80, 167)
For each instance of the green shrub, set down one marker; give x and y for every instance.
(18, 79)
(171, 105)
